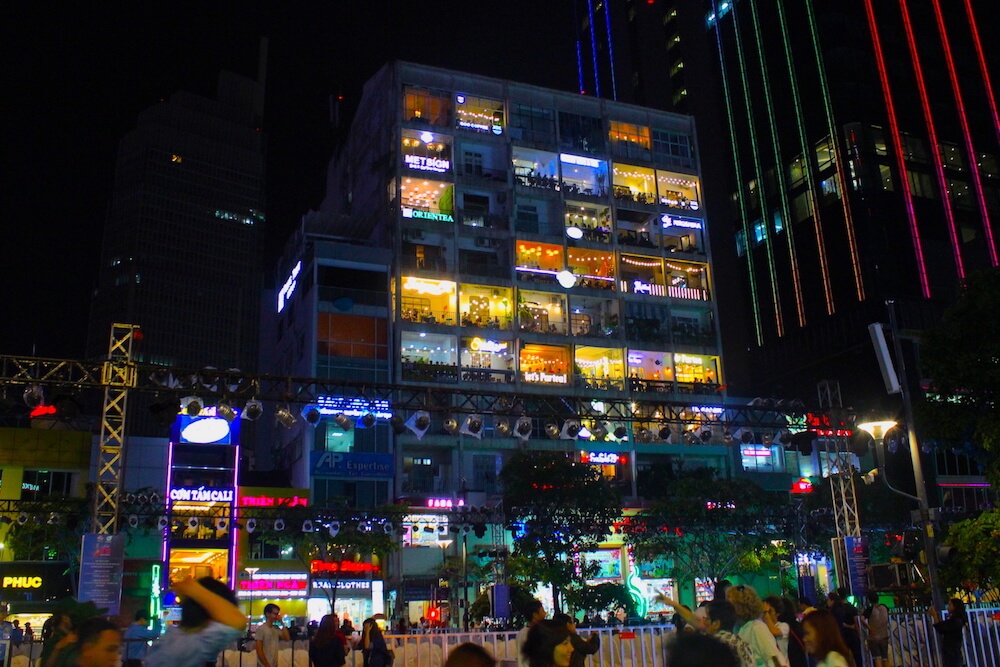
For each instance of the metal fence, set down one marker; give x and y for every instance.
(914, 643)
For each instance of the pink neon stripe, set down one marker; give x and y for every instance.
(967, 136)
(935, 146)
(911, 214)
(990, 98)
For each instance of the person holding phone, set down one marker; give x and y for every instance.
(268, 634)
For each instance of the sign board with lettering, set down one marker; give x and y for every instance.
(32, 581)
(351, 465)
(101, 562)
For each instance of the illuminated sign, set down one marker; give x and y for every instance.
(286, 291)
(275, 585)
(202, 495)
(28, 486)
(421, 163)
(205, 430)
(633, 359)
(342, 585)
(582, 161)
(603, 458)
(640, 287)
(538, 376)
(480, 345)
(416, 213)
(353, 406)
(688, 359)
(267, 501)
(755, 450)
(687, 223)
(318, 567)
(802, 486)
(823, 426)
(22, 582)
(352, 465)
(445, 502)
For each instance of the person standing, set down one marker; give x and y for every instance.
(268, 634)
(210, 621)
(136, 637)
(326, 649)
(876, 620)
(951, 631)
(718, 618)
(535, 613)
(749, 610)
(581, 647)
(824, 641)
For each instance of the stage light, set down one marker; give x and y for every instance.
(221, 525)
(418, 423)
(285, 417)
(570, 430)
(251, 525)
(191, 406)
(311, 414)
(307, 526)
(473, 425)
(397, 424)
(523, 428)
(705, 434)
(451, 425)
(664, 433)
(225, 411)
(279, 525)
(253, 410)
(33, 396)
(133, 521)
(334, 528)
(599, 432)
(620, 432)
(552, 430)
(502, 427)
(368, 420)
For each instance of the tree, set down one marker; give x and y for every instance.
(709, 528)
(557, 508)
(976, 565)
(962, 359)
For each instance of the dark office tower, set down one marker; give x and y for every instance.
(181, 255)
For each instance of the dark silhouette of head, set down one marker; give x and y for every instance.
(543, 637)
(193, 615)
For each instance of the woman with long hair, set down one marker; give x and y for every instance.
(824, 641)
(548, 644)
(753, 629)
(951, 631)
(325, 648)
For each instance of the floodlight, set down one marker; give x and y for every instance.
(253, 410)
(191, 405)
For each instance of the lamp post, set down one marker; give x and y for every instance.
(926, 525)
(444, 544)
(251, 571)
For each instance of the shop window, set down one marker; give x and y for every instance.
(796, 172)
(642, 275)
(914, 149)
(541, 312)
(599, 367)
(544, 364)
(426, 151)
(535, 168)
(695, 370)
(678, 191)
(427, 301)
(761, 458)
(479, 114)
(825, 153)
(634, 184)
(485, 307)
(428, 357)
(629, 140)
(593, 268)
(427, 199)
(487, 359)
(583, 175)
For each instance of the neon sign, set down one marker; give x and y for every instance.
(202, 495)
(318, 566)
(578, 160)
(286, 291)
(349, 585)
(445, 502)
(421, 163)
(353, 407)
(537, 376)
(603, 458)
(639, 287)
(687, 223)
(427, 215)
(268, 501)
(802, 486)
(480, 345)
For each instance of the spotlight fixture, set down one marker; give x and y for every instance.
(442, 529)
(473, 426)
(552, 430)
(600, 431)
(664, 433)
(502, 427)
(570, 430)
(743, 435)
(387, 527)
(253, 410)
(334, 528)
(767, 439)
(192, 522)
(368, 420)
(705, 434)
(397, 424)
(307, 526)
(279, 525)
(33, 396)
(727, 437)
(221, 525)
(133, 521)
(643, 434)
(620, 432)
(285, 417)
(689, 437)
(161, 523)
(251, 525)
(343, 421)
(225, 411)
(191, 406)
(418, 423)
(311, 414)
(523, 428)
(451, 425)
(53, 518)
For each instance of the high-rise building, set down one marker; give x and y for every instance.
(859, 142)
(182, 242)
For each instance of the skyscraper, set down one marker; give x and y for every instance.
(182, 242)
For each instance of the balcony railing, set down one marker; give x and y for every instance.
(417, 371)
(488, 375)
(427, 316)
(696, 293)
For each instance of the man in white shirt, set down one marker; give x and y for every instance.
(535, 613)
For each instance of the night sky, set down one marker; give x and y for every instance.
(76, 78)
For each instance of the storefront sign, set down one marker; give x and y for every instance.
(101, 563)
(421, 163)
(317, 567)
(351, 465)
(603, 458)
(445, 502)
(22, 582)
(802, 486)
(480, 345)
(268, 501)
(686, 223)
(274, 584)
(205, 429)
(202, 495)
(639, 287)
(343, 584)
(33, 581)
(416, 213)
(754, 450)
(578, 160)
(538, 376)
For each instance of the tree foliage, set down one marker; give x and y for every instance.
(962, 359)
(976, 566)
(706, 527)
(557, 508)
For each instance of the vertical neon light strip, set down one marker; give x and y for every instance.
(949, 214)
(579, 67)
(611, 53)
(990, 99)
(755, 151)
(744, 215)
(838, 154)
(232, 515)
(779, 168)
(170, 508)
(824, 266)
(970, 151)
(911, 214)
(593, 48)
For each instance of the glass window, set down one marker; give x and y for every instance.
(696, 370)
(678, 191)
(581, 133)
(583, 175)
(885, 177)
(600, 367)
(878, 140)
(825, 153)
(479, 114)
(426, 151)
(544, 364)
(796, 171)
(535, 168)
(760, 458)
(353, 336)
(988, 166)
(673, 148)
(541, 312)
(433, 200)
(642, 275)
(686, 280)
(921, 185)
(914, 149)
(427, 301)
(485, 306)
(39, 484)
(421, 105)
(593, 268)
(592, 222)
(830, 187)
(802, 207)
(634, 184)
(952, 157)
(629, 139)
(960, 193)
(532, 124)
(486, 359)
(428, 356)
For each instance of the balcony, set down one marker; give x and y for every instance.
(487, 376)
(416, 371)
(599, 384)
(425, 315)
(693, 293)
(483, 220)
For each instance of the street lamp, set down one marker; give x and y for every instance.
(901, 386)
(251, 571)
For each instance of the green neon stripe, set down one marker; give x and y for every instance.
(838, 154)
(779, 167)
(755, 150)
(740, 197)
